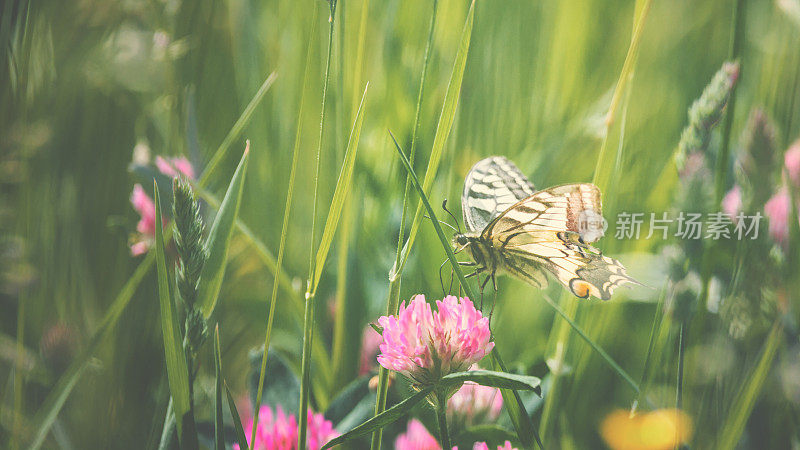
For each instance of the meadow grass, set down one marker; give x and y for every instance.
(586, 91)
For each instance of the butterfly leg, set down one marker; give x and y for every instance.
(463, 264)
(483, 286)
(452, 277)
(494, 296)
(441, 279)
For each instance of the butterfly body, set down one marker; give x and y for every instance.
(514, 229)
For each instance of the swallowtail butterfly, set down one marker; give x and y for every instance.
(512, 228)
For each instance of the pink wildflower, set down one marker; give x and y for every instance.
(732, 202)
(474, 404)
(320, 431)
(791, 161)
(416, 437)
(279, 431)
(173, 166)
(424, 346)
(778, 209)
(146, 227)
(483, 446)
(145, 206)
(370, 347)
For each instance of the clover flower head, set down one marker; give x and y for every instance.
(144, 205)
(275, 431)
(172, 167)
(791, 161)
(146, 227)
(424, 345)
(474, 404)
(416, 437)
(732, 202)
(320, 430)
(279, 431)
(370, 347)
(778, 210)
(484, 446)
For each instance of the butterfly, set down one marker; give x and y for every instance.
(513, 228)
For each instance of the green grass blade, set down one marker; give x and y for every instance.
(219, 430)
(263, 252)
(284, 232)
(308, 316)
(617, 368)
(434, 221)
(219, 238)
(339, 194)
(177, 368)
(496, 379)
(393, 299)
(58, 396)
(52, 405)
(381, 420)
(526, 438)
(237, 128)
(237, 421)
(743, 404)
(346, 330)
(520, 419)
(446, 119)
(601, 176)
(320, 353)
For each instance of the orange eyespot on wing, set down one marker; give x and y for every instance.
(580, 288)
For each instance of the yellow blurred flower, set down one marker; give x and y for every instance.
(656, 430)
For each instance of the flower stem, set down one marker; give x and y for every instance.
(308, 323)
(394, 276)
(441, 415)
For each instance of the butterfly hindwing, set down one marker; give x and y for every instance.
(491, 187)
(578, 266)
(541, 232)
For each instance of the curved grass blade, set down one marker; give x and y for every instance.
(320, 353)
(284, 231)
(237, 421)
(52, 405)
(55, 400)
(395, 272)
(743, 405)
(446, 119)
(219, 237)
(177, 368)
(496, 379)
(525, 433)
(340, 194)
(219, 431)
(515, 407)
(617, 368)
(381, 420)
(237, 128)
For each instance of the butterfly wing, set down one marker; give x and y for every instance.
(541, 232)
(491, 187)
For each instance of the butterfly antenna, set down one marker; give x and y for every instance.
(444, 207)
(443, 223)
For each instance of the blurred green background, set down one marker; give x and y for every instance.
(85, 82)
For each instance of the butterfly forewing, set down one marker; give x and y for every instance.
(559, 208)
(492, 186)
